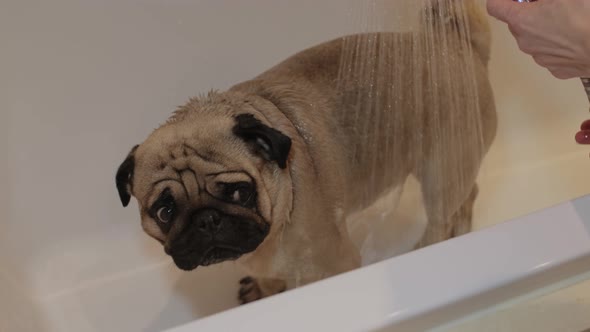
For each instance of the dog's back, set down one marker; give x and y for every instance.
(369, 93)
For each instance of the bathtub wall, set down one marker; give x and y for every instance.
(82, 81)
(90, 79)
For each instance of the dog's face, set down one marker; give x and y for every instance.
(206, 182)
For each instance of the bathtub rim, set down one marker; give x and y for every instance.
(543, 263)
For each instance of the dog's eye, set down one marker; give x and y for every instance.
(165, 214)
(241, 193)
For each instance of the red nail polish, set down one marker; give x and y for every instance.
(585, 125)
(583, 137)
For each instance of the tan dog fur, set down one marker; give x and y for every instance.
(306, 204)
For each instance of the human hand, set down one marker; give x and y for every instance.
(556, 33)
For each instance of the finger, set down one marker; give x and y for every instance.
(564, 73)
(549, 61)
(504, 10)
(561, 68)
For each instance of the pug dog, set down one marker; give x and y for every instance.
(267, 172)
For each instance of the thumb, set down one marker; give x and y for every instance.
(504, 10)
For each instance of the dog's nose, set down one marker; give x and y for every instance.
(208, 221)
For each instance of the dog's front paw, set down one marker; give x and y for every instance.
(254, 289)
(249, 290)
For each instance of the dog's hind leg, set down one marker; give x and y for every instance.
(457, 224)
(462, 219)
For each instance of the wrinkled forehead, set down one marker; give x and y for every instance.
(197, 127)
(176, 148)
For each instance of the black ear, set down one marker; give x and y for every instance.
(124, 177)
(269, 142)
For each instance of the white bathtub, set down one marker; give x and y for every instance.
(82, 81)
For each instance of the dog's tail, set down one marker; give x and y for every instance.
(465, 17)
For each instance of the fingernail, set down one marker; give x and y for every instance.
(585, 125)
(583, 137)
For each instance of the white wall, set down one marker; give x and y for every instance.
(86, 80)
(81, 81)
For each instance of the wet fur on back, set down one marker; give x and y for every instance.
(288, 135)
